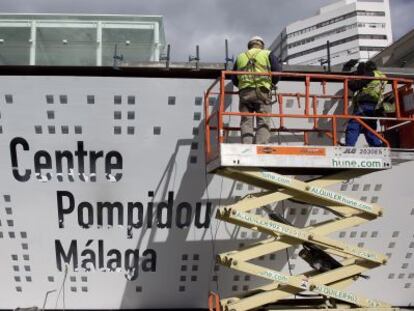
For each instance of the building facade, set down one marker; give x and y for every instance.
(354, 28)
(79, 39)
(399, 54)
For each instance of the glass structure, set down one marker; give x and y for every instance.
(79, 39)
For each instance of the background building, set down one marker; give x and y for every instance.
(355, 28)
(79, 40)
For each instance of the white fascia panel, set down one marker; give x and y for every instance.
(127, 26)
(371, 6)
(376, 19)
(10, 23)
(318, 31)
(322, 53)
(371, 19)
(334, 6)
(372, 31)
(92, 24)
(322, 41)
(311, 21)
(373, 42)
(375, 6)
(337, 58)
(47, 24)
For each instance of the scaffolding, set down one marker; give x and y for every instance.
(302, 173)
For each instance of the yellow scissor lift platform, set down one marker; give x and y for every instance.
(271, 167)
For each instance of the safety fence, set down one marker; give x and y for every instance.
(401, 90)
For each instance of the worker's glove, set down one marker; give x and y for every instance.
(349, 64)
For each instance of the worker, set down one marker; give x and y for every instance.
(367, 96)
(255, 90)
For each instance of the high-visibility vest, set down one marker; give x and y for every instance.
(373, 91)
(254, 60)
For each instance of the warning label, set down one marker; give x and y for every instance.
(286, 150)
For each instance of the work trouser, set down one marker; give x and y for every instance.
(354, 128)
(255, 100)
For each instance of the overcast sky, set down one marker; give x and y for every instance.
(208, 22)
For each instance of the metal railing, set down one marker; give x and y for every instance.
(400, 88)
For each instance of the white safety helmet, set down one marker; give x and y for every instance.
(253, 39)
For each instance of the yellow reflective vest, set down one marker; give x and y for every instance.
(254, 60)
(373, 91)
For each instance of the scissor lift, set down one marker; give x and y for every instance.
(275, 169)
(268, 167)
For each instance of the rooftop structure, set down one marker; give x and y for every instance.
(79, 39)
(355, 29)
(399, 54)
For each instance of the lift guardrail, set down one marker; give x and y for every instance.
(400, 88)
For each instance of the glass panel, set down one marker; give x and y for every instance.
(136, 45)
(15, 46)
(66, 46)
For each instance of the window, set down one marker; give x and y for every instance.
(335, 20)
(339, 42)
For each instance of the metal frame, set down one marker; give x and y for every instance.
(267, 170)
(399, 86)
(350, 212)
(98, 22)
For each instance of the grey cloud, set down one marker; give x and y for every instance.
(208, 22)
(402, 17)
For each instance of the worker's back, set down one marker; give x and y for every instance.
(254, 60)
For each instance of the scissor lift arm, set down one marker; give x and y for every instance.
(329, 281)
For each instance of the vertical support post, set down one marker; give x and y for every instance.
(221, 109)
(226, 51)
(307, 107)
(227, 59)
(305, 138)
(315, 111)
(197, 56)
(281, 119)
(156, 52)
(167, 63)
(334, 135)
(324, 87)
(328, 52)
(397, 98)
(307, 95)
(32, 60)
(298, 97)
(213, 302)
(346, 95)
(99, 43)
(207, 146)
